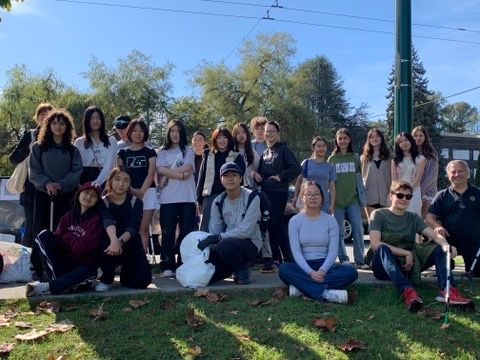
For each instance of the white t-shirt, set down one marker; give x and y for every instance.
(177, 191)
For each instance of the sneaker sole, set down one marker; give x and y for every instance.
(265, 271)
(451, 302)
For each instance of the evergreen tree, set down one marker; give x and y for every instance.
(426, 103)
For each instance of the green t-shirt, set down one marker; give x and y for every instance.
(346, 185)
(397, 230)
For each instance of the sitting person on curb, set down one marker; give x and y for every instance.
(314, 243)
(68, 257)
(125, 244)
(455, 214)
(234, 231)
(398, 258)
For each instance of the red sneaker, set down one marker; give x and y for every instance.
(412, 301)
(456, 298)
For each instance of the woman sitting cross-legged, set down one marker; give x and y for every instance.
(125, 246)
(69, 255)
(314, 243)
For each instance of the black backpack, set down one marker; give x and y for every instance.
(264, 208)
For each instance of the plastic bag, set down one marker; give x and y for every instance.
(194, 272)
(16, 259)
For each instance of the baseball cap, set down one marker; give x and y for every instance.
(91, 185)
(122, 121)
(230, 166)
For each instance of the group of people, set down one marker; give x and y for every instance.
(116, 186)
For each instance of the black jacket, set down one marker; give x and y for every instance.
(278, 160)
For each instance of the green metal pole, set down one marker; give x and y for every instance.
(403, 68)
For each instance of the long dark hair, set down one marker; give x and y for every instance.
(427, 149)
(218, 132)
(45, 135)
(87, 127)
(399, 152)
(77, 209)
(343, 131)
(183, 136)
(248, 143)
(367, 153)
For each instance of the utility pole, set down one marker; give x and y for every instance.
(403, 67)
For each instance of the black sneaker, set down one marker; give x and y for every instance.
(242, 277)
(268, 266)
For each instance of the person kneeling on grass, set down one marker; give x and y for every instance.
(69, 256)
(398, 258)
(314, 243)
(125, 246)
(235, 236)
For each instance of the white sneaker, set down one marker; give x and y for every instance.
(101, 287)
(168, 273)
(293, 291)
(37, 288)
(336, 296)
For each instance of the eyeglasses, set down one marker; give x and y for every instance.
(312, 195)
(402, 195)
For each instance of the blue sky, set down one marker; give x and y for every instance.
(55, 34)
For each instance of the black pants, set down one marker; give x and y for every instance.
(468, 248)
(231, 255)
(61, 273)
(41, 210)
(182, 214)
(27, 201)
(276, 231)
(136, 272)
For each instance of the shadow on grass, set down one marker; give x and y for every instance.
(234, 329)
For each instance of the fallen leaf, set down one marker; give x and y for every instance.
(32, 335)
(259, 303)
(4, 321)
(445, 326)
(23, 325)
(352, 344)
(371, 317)
(168, 305)
(5, 348)
(234, 312)
(135, 304)
(328, 324)
(201, 293)
(52, 357)
(10, 314)
(269, 318)
(46, 306)
(61, 326)
(98, 313)
(193, 320)
(280, 293)
(215, 298)
(127, 309)
(430, 313)
(195, 351)
(243, 337)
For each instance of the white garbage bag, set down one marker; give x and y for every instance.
(194, 272)
(16, 263)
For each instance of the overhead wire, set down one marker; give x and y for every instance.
(206, 13)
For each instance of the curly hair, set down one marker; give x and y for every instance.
(45, 136)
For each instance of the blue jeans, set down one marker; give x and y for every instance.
(385, 267)
(338, 277)
(355, 217)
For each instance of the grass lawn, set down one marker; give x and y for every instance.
(235, 329)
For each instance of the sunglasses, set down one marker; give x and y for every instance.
(401, 196)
